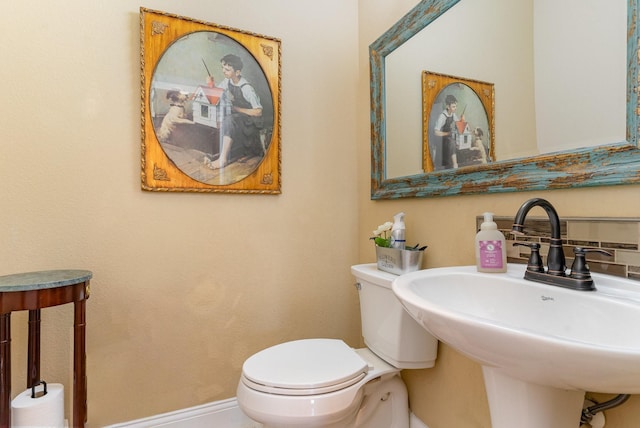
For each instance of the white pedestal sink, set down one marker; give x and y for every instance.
(541, 346)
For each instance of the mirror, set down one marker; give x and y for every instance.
(605, 164)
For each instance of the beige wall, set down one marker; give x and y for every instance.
(452, 394)
(186, 286)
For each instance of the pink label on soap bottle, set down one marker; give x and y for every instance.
(491, 254)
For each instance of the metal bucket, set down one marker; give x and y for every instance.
(397, 261)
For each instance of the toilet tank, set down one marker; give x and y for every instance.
(388, 330)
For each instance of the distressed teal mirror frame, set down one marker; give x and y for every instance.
(605, 165)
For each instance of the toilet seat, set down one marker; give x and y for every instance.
(304, 367)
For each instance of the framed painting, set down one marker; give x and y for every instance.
(457, 122)
(210, 107)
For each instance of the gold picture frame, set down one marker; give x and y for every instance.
(210, 113)
(457, 122)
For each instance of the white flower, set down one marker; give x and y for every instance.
(383, 228)
(380, 234)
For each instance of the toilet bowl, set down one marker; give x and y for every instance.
(325, 383)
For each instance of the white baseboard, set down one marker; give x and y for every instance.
(222, 414)
(414, 422)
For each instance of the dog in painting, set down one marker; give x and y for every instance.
(177, 101)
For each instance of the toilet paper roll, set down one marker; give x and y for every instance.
(43, 411)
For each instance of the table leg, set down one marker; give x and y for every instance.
(5, 369)
(33, 352)
(79, 365)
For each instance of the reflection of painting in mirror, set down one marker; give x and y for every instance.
(210, 110)
(458, 127)
(530, 52)
(195, 106)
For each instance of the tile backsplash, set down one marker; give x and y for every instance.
(618, 236)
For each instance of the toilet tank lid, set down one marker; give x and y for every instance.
(305, 364)
(370, 272)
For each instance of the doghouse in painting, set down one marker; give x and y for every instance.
(463, 135)
(207, 109)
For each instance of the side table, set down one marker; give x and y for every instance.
(34, 291)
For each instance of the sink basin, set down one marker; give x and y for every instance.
(529, 335)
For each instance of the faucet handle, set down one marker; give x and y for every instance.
(580, 268)
(535, 261)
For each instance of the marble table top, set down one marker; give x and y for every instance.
(43, 279)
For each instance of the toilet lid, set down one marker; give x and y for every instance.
(304, 367)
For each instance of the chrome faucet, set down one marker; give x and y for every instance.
(555, 274)
(555, 258)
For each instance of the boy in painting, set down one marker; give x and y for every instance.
(242, 126)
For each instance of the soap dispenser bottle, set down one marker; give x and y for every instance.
(491, 250)
(398, 232)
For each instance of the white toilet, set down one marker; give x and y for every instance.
(325, 383)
